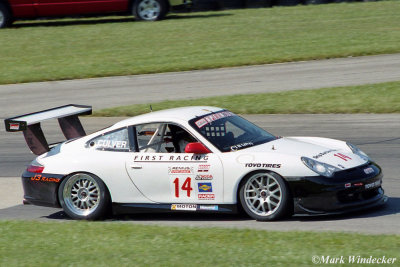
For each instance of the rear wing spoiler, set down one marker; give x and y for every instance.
(29, 124)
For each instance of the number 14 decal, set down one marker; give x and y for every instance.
(186, 186)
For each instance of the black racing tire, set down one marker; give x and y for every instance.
(5, 16)
(150, 10)
(84, 196)
(265, 196)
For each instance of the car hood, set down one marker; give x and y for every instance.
(333, 152)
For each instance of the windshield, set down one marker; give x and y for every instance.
(229, 132)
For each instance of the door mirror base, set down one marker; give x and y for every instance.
(196, 148)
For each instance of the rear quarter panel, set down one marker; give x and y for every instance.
(109, 166)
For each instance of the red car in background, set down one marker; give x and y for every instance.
(148, 10)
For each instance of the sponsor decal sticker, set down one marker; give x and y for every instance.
(263, 165)
(323, 153)
(204, 177)
(242, 145)
(341, 156)
(205, 187)
(171, 158)
(14, 126)
(192, 207)
(180, 170)
(39, 177)
(203, 168)
(213, 117)
(206, 196)
(112, 144)
(200, 123)
(369, 170)
(348, 185)
(208, 207)
(372, 185)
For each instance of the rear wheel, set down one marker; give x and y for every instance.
(84, 196)
(265, 196)
(149, 10)
(5, 16)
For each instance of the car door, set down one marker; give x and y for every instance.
(22, 8)
(108, 153)
(78, 7)
(165, 174)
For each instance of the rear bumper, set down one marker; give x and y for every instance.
(41, 189)
(347, 191)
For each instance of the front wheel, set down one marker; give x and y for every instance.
(84, 196)
(265, 197)
(149, 10)
(5, 16)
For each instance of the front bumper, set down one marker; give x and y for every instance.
(41, 188)
(349, 190)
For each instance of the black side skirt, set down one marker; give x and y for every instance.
(131, 208)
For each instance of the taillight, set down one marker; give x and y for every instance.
(35, 168)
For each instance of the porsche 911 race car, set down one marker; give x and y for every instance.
(192, 159)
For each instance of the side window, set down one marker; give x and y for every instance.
(117, 140)
(162, 138)
(150, 137)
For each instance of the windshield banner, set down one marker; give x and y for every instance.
(213, 117)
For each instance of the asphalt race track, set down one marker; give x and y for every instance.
(378, 135)
(126, 90)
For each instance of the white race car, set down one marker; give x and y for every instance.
(192, 159)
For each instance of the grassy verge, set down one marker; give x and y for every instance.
(107, 244)
(67, 49)
(374, 98)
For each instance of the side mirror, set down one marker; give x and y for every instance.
(196, 148)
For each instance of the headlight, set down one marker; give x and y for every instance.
(358, 152)
(319, 167)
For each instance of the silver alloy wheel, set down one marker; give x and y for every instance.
(81, 194)
(149, 9)
(262, 194)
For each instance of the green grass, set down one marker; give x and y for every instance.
(33, 243)
(374, 98)
(68, 49)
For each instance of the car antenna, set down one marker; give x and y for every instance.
(151, 108)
